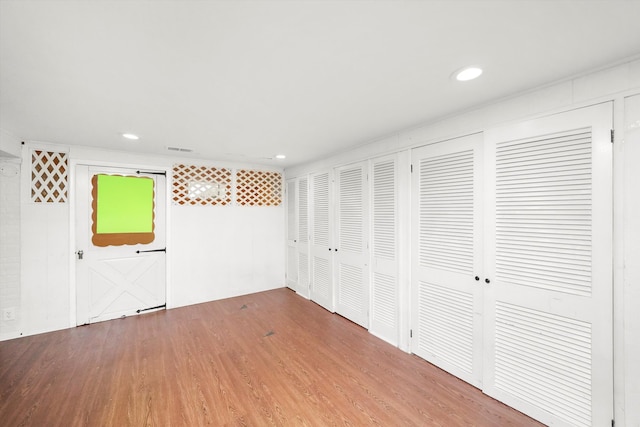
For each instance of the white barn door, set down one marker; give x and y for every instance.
(119, 272)
(383, 319)
(292, 235)
(352, 274)
(321, 240)
(447, 256)
(548, 342)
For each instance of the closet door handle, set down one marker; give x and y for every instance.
(477, 278)
(487, 281)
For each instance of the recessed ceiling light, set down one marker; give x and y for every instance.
(468, 73)
(280, 156)
(130, 136)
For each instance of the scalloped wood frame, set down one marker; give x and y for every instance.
(118, 239)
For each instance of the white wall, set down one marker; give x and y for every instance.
(613, 83)
(9, 235)
(212, 252)
(236, 251)
(9, 145)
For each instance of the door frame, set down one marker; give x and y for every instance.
(73, 164)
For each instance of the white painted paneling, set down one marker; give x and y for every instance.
(44, 271)
(10, 247)
(225, 251)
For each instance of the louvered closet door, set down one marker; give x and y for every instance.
(446, 247)
(303, 237)
(292, 235)
(548, 341)
(352, 297)
(321, 249)
(383, 320)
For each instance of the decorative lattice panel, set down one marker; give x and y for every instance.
(258, 188)
(201, 185)
(49, 177)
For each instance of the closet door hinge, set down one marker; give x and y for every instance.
(613, 423)
(412, 168)
(410, 333)
(613, 133)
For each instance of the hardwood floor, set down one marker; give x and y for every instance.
(271, 358)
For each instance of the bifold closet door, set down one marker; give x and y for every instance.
(292, 235)
(321, 241)
(302, 211)
(447, 256)
(350, 251)
(384, 317)
(548, 314)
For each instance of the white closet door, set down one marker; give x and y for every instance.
(548, 343)
(321, 249)
(384, 321)
(292, 235)
(447, 248)
(352, 272)
(303, 237)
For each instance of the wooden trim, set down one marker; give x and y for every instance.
(118, 239)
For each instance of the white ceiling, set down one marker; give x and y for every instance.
(245, 80)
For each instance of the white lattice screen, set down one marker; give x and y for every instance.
(258, 188)
(192, 185)
(49, 177)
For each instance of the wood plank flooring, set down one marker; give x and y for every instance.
(271, 358)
